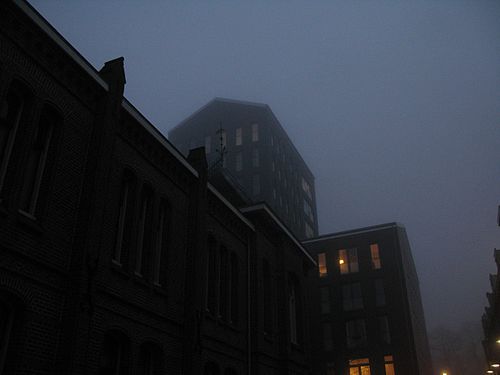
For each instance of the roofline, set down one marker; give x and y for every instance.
(252, 104)
(41, 22)
(264, 207)
(347, 233)
(230, 206)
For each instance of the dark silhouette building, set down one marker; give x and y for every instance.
(248, 140)
(369, 312)
(491, 319)
(117, 255)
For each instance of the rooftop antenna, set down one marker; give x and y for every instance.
(222, 147)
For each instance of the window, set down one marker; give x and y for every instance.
(389, 365)
(379, 293)
(308, 211)
(143, 233)
(211, 275)
(356, 333)
(234, 288)
(324, 292)
(36, 163)
(114, 357)
(274, 193)
(255, 157)
(223, 282)
(309, 231)
(208, 144)
(11, 111)
(352, 299)
(255, 132)
(348, 261)
(273, 166)
(239, 137)
(256, 184)
(124, 218)
(7, 313)
(330, 368)
(268, 306)
(323, 270)
(385, 334)
(327, 336)
(306, 188)
(293, 309)
(161, 241)
(359, 366)
(150, 359)
(375, 256)
(239, 161)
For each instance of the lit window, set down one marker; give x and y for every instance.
(323, 270)
(255, 132)
(356, 333)
(348, 261)
(379, 293)
(239, 136)
(327, 336)
(352, 298)
(256, 184)
(389, 365)
(385, 334)
(239, 161)
(208, 144)
(359, 366)
(255, 157)
(34, 169)
(375, 256)
(325, 299)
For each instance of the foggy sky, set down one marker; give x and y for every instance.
(395, 106)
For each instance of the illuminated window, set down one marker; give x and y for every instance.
(389, 365)
(356, 333)
(255, 157)
(255, 132)
(375, 256)
(352, 298)
(208, 144)
(323, 270)
(348, 261)
(325, 299)
(379, 292)
(327, 336)
(36, 163)
(359, 366)
(239, 137)
(239, 161)
(385, 334)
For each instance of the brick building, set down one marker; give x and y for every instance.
(369, 318)
(117, 254)
(491, 319)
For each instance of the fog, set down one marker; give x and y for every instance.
(395, 106)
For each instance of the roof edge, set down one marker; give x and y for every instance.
(351, 232)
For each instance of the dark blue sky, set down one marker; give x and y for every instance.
(395, 106)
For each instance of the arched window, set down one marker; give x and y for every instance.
(123, 227)
(35, 167)
(11, 111)
(150, 360)
(142, 257)
(268, 310)
(114, 355)
(234, 279)
(161, 243)
(211, 276)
